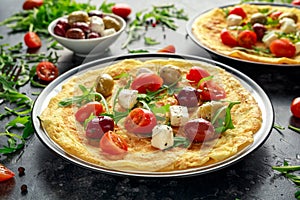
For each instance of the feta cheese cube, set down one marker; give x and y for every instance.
(234, 20)
(297, 45)
(269, 38)
(209, 109)
(288, 25)
(179, 115)
(127, 98)
(162, 137)
(96, 24)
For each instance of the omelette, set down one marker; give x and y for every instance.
(171, 141)
(268, 22)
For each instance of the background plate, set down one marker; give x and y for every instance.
(54, 87)
(191, 35)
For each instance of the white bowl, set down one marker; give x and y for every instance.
(88, 47)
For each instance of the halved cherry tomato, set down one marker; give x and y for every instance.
(227, 38)
(113, 144)
(283, 48)
(211, 91)
(30, 4)
(121, 9)
(295, 107)
(147, 82)
(238, 11)
(5, 173)
(140, 121)
(247, 39)
(199, 130)
(296, 2)
(86, 110)
(196, 74)
(98, 126)
(32, 40)
(46, 71)
(276, 14)
(167, 49)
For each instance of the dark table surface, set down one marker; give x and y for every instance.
(48, 176)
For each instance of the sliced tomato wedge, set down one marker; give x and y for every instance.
(147, 82)
(211, 91)
(46, 71)
(238, 11)
(167, 49)
(32, 40)
(227, 38)
(283, 48)
(196, 74)
(247, 39)
(140, 121)
(113, 144)
(86, 110)
(5, 173)
(31, 4)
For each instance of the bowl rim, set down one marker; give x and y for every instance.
(53, 23)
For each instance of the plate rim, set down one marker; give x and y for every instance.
(45, 139)
(189, 24)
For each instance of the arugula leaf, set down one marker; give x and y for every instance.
(150, 41)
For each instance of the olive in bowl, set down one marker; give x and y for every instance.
(87, 34)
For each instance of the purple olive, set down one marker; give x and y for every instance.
(93, 35)
(98, 126)
(97, 13)
(82, 25)
(188, 96)
(75, 33)
(260, 30)
(59, 30)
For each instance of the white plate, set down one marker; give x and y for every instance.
(53, 88)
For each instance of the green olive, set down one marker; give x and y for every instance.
(78, 16)
(110, 22)
(104, 84)
(170, 74)
(293, 16)
(258, 18)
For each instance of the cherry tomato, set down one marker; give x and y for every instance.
(188, 97)
(295, 107)
(283, 48)
(227, 38)
(113, 144)
(121, 9)
(296, 2)
(275, 15)
(247, 39)
(140, 121)
(46, 71)
(147, 82)
(238, 11)
(167, 49)
(98, 126)
(32, 40)
(5, 173)
(31, 4)
(211, 91)
(199, 130)
(196, 74)
(86, 110)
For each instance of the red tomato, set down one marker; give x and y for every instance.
(46, 71)
(30, 4)
(5, 173)
(167, 49)
(113, 144)
(140, 120)
(121, 9)
(238, 11)
(196, 74)
(296, 2)
(211, 91)
(199, 130)
(86, 110)
(295, 107)
(32, 40)
(247, 39)
(227, 38)
(275, 15)
(147, 82)
(283, 48)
